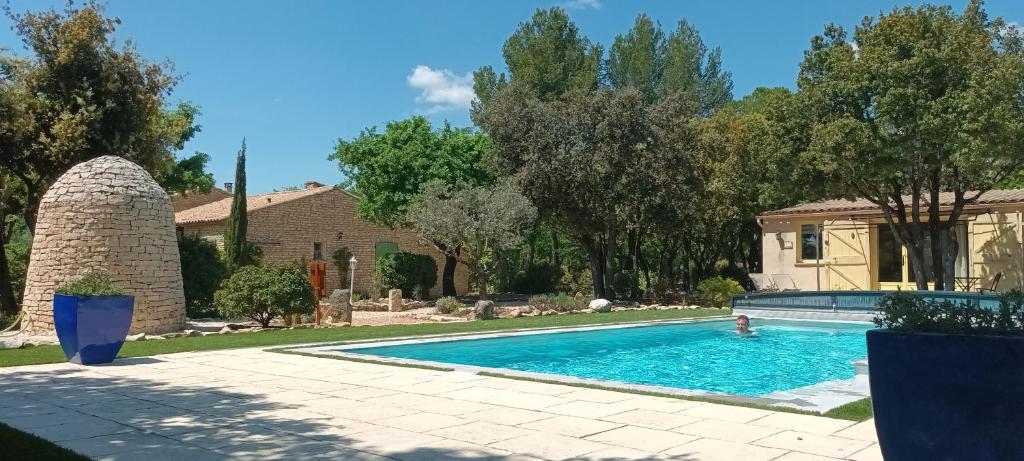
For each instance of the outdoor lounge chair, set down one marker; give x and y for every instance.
(992, 286)
(784, 282)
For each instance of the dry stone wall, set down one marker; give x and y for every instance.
(107, 215)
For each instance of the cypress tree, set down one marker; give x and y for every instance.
(235, 246)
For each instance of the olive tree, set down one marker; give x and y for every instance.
(482, 221)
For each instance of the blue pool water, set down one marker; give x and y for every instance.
(707, 356)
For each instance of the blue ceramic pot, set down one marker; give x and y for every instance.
(92, 329)
(947, 397)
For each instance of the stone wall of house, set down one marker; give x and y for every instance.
(288, 232)
(107, 215)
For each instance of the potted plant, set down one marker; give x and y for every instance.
(92, 317)
(946, 378)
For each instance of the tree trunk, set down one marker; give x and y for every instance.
(8, 302)
(950, 248)
(935, 235)
(531, 247)
(915, 252)
(597, 266)
(481, 282)
(448, 276)
(31, 209)
(555, 259)
(610, 250)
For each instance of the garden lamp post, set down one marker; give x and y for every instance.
(351, 277)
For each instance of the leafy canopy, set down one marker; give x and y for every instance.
(90, 284)
(481, 221)
(263, 293)
(387, 170)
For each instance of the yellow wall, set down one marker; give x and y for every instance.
(850, 259)
(780, 255)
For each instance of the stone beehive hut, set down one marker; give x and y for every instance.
(107, 215)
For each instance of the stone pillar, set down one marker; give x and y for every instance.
(395, 300)
(341, 308)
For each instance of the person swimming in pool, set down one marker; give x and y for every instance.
(743, 325)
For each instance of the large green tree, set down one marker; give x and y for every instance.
(546, 54)
(921, 101)
(593, 162)
(78, 95)
(388, 170)
(646, 59)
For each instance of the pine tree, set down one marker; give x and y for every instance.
(235, 247)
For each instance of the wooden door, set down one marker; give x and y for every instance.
(847, 255)
(318, 279)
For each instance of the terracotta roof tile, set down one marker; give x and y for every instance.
(219, 210)
(992, 197)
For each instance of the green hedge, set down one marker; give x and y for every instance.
(414, 274)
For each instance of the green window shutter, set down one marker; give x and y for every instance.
(384, 248)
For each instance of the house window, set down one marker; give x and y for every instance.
(810, 242)
(318, 251)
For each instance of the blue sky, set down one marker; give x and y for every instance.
(293, 77)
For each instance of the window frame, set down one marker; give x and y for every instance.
(820, 237)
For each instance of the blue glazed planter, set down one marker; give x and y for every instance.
(947, 397)
(92, 329)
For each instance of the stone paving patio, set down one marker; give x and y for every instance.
(250, 404)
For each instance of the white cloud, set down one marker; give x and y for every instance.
(583, 4)
(442, 88)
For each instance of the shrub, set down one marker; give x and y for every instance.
(536, 279)
(912, 312)
(90, 284)
(718, 291)
(414, 274)
(666, 292)
(449, 305)
(738, 274)
(560, 302)
(202, 272)
(263, 293)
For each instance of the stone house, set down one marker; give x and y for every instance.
(847, 245)
(308, 225)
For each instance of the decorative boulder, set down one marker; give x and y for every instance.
(483, 310)
(395, 300)
(340, 308)
(107, 215)
(601, 305)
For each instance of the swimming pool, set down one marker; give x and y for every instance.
(705, 356)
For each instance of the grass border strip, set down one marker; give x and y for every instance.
(284, 350)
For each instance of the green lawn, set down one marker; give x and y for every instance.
(856, 411)
(53, 354)
(16, 445)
